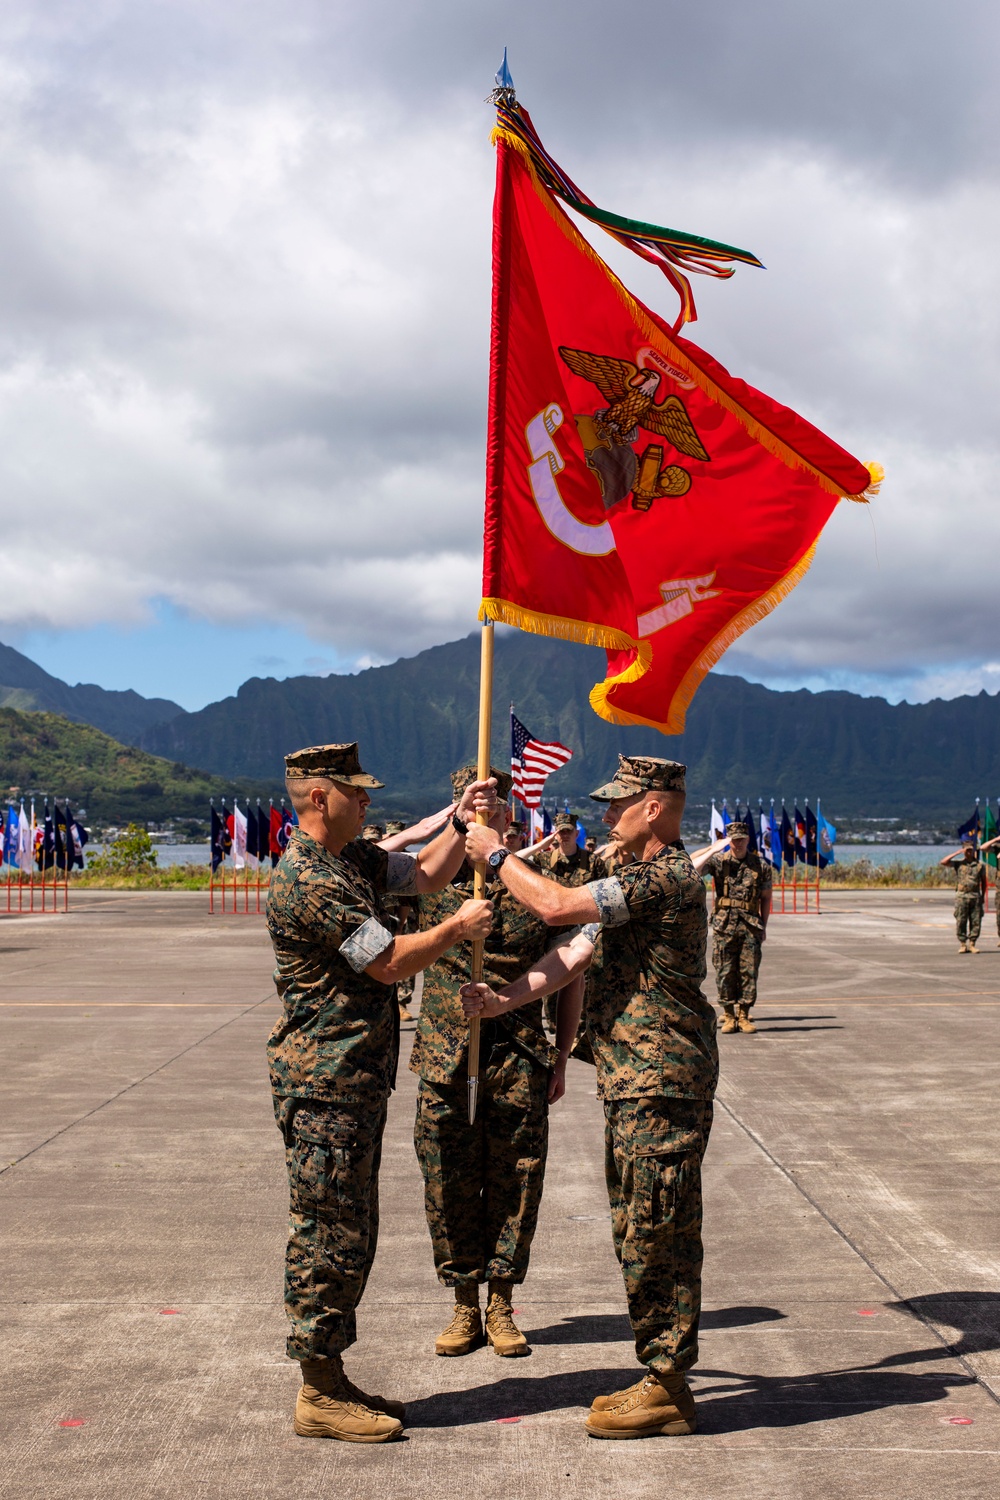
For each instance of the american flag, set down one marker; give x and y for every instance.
(531, 761)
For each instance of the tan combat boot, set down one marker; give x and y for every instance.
(615, 1398)
(657, 1406)
(973, 948)
(501, 1330)
(395, 1409)
(728, 1021)
(328, 1407)
(743, 1020)
(963, 947)
(465, 1331)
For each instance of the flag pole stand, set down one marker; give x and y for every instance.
(479, 869)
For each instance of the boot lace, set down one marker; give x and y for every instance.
(500, 1317)
(464, 1320)
(633, 1396)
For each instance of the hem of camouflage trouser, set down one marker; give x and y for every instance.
(329, 1351)
(664, 1364)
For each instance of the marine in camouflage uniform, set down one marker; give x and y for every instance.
(743, 884)
(405, 913)
(332, 1059)
(969, 897)
(482, 1181)
(572, 866)
(652, 1032)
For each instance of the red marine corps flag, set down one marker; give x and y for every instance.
(639, 497)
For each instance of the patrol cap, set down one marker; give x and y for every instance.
(642, 773)
(466, 775)
(515, 826)
(373, 832)
(394, 826)
(738, 831)
(565, 820)
(333, 762)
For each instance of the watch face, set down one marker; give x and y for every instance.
(497, 858)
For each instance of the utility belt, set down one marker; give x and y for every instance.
(737, 903)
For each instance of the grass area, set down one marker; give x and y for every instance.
(866, 874)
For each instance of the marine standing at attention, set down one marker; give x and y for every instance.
(570, 865)
(483, 1182)
(743, 883)
(970, 896)
(652, 1032)
(332, 1058)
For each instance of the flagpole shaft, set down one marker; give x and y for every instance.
(479, 869)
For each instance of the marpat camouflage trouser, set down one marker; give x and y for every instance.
(736, 956)
(483, 1182)
(969, 917)
(333, 1156)
(652, 1160)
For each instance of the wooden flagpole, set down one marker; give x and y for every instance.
(479, 869)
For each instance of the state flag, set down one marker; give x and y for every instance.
(774, 838)
(10, 836)
(251, 837)
(970, 828)
(826, 837)
(239, 837)
(25, 840)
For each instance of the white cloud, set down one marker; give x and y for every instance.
(244, 303)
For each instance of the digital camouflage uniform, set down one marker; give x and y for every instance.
(332, 1059)
(742, 894)
(575, 869)
(652, 1032)
(482, 1182)
(969, 900)
(405, 915)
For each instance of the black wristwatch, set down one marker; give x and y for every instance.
(496, 859)
(458, 825)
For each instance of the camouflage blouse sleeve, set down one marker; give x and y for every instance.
(651, 889)
(331, 917)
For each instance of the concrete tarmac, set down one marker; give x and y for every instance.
(852, 1279)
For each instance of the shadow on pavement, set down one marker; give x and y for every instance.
(975, 1316)
(796, 1401)
(813, 1017)
(614, 1328)
(782, 1030)
(754, 1401)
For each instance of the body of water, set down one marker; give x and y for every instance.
(879, 854)
(889, 854)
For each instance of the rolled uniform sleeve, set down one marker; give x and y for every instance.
(365, 944)
(401, 875)
(609, 898)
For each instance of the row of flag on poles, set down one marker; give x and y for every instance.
(785, 838)
(250, 836)
(56, 839)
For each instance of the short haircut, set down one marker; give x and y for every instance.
(299, 787)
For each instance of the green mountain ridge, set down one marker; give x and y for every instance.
(46, 755)
(416, 719)
(124, 715)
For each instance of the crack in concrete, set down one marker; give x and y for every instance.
(9, 1166)
(856, 1248)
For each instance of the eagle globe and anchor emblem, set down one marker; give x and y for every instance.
(608, 434)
